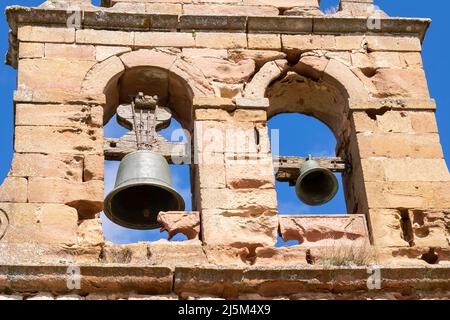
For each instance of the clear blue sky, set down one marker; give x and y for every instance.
(437, 66)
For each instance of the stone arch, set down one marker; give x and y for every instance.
(325, 89)
(181, 80)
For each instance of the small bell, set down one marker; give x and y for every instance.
(316, 185)
(143, 189)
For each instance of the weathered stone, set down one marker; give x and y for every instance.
(31, 50)
(93, 167)
(241, 202)
(407, 169)
(400, 83)
(269, 72)
(42, 74)
(229, 10)
(57, 115)
(259, 56)
(69, 51)
(46, 34)
(104, 52)
(107, 37)
(218, 40)
(40, 139)
(164, 39)
(237, 231)
(86, 197)
(392, 43)
(41, 223)
(90, 233)
(399, 145)
(39, 165)
(406, 194)
(223, 70)
(14, 189)
(249, 174)
(312, 230)
(180, 222)
(264, 41)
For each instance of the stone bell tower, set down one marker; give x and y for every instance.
(222, 68)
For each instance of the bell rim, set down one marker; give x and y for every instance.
(110, 196)
(332, 195)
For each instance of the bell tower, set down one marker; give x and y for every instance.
(222, 69)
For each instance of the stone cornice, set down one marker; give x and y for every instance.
(219, 281)
(115, 20)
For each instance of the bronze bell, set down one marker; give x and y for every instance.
(315, 185)
(143, 189)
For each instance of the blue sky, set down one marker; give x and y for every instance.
(437, 65)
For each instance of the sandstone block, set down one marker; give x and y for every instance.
(164, 39)
(43, 74)
(345, 43)
(69, 51)
(212, 114)
(407, 194)
(107, 37)
(399, 145)
(242, 202)
(57, 115)
(90, 232)
(386, 228)
(210, 175)
(412, 60)
(313, 230)
(46, 34)
(187, 223)
(219, 40)
(239, 232)
(376, 60)
(248, 174)
(264, 41)
(393, 43)
(163, 8)
(223, 70)
(400, 83)
(31, 50)
(259, 56)
(14, 189)
(40, 139)
(196, 52)
(308, 42)
(229, 10)
(39, 165)
(104, 52)
(41, 223)
(93, 168)
(86, 197)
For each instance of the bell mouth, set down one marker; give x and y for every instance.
(137, 206)
(316, 187)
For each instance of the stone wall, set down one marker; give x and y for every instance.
(223, 76)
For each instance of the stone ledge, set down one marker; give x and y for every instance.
(222, 282)
(272, 282)
(94, 278)
(108, 20)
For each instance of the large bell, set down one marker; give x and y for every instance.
(143, 188)
(315, 185)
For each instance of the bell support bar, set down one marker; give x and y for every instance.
(287, 168)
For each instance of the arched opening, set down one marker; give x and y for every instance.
(301, 135)
(176, 99)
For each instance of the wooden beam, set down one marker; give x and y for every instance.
(289, 167)
(117, 148)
